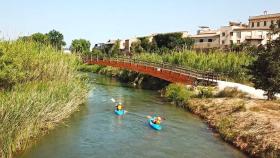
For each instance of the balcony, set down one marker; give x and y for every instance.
(258, 37)
(206, 45)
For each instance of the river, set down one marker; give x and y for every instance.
(95, 131)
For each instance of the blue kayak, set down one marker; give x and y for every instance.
(119, 112)
(154, 126)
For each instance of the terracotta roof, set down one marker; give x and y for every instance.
(277, 15)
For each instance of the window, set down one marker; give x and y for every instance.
(264, 23)
(210, 40)
(253, 24)
(231, 41)
(238, 41)
(258, 24)
(223, 42)
(238, 34)
(223, 34)
(231, 33)
(201, 40)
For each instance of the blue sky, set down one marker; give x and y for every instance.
(98, 20)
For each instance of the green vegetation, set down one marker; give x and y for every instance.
(266, 68)
(229, 65)
(162, 43)
(178, 93)
(205, 92)
(39, 87)
(172, 41)
(53, 38)
(89, 68)
(80, 46)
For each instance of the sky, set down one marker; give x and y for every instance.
(98, 21)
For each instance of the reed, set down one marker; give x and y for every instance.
(230, 65)
(40, 88)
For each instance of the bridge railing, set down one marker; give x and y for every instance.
(198, 74)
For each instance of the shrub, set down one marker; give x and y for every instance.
(178, 93)
(205, 92)
(89, 68)
(229, 92)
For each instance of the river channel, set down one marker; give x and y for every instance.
(96, 132)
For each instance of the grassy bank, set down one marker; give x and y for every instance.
(39, 88)
(229, 64)
(250, 125)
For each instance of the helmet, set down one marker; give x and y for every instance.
(159, 118)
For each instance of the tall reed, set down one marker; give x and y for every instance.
(40, 87)
(229, 65)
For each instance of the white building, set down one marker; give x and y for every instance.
(257, 32)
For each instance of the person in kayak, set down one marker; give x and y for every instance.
(119, 106)
(156, 120)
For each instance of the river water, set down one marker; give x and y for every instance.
(96, 132)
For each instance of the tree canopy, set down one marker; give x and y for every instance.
(56, 39)
(80, 46)
(265, 70)
(53, 38)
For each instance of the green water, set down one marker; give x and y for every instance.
(95, 131)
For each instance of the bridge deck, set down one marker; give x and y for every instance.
(163, 71)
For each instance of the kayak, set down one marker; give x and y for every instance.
(154, 126)
(120, 112)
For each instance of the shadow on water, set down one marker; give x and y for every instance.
(95, 131)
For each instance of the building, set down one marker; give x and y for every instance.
(206, 38)
(255, 33)
(263, 21)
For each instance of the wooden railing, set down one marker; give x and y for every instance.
(198, 74)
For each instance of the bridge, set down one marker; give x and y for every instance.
(165, 71)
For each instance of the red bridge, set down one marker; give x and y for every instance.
(168, 72)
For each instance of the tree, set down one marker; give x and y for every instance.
(115, 49)
(136, 47)
(187, 43)
(40, 38)
(173, 41)
(80, 46)
(170, 40)
(265, 70)
(56, 39)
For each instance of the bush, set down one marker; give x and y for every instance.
(229, 92)
(178, 93)
(205, 92)
(90, 68)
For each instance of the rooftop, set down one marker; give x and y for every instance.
(276, 15)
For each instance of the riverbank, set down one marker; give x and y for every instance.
(249, 124)
(40, 87)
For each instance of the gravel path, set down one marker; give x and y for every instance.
(254, 93)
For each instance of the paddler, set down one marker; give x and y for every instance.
(157, 120)
(119, 106)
